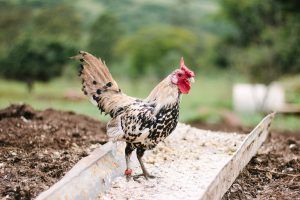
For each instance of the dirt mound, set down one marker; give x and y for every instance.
(274, 173)
(22, 110)
(38, 147)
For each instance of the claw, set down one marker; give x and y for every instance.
(151, 176)
(128, 177)
(146, 176)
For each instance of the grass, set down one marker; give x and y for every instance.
(209, 97)
(206, 92)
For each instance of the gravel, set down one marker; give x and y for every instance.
(184, 165)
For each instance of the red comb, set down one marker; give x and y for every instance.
(188, 72)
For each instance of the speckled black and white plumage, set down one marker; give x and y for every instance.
(146, 129)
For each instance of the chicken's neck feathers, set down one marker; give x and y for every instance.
(165, 93)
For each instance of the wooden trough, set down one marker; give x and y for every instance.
(94, 174)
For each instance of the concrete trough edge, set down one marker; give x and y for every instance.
(90, 176)
(94, 173)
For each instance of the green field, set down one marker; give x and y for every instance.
(207, 92)
(210, 96)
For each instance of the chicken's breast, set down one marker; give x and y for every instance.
(140, 125)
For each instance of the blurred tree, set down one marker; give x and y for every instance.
(49, 20)
(60, 23)
(156, 48)
(266, 44)
(13, 23)
(104, 35)
(37, 40)
(181, 14)
(32, 60)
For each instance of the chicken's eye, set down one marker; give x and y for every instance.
(179, 75)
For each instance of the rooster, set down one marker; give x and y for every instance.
(142, 124)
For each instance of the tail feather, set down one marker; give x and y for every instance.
(99, 85)
(95, 70)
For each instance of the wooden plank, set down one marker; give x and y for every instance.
(241, 157)
(290, 109)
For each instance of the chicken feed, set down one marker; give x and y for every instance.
(184, 165)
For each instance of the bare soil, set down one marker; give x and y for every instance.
(274, 173)
(38, 147)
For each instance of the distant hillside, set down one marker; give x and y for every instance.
(134, 14)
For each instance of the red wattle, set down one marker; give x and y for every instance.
(184, 86)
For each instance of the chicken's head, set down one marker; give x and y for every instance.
(183, 77)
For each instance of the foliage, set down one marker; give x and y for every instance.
(104, 35)
(266, 43)
(156, 51)
(20, 19)
(37, 40)
(35, 60)
(59, 22)
(134, 15)
(259, 38)
(98, 26)
(13, 21)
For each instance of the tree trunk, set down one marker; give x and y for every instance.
(29, 86)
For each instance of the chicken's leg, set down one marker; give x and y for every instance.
(128, 151)
(140, 153)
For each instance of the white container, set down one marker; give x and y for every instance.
(258, 97)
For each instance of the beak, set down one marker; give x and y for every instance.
(192, 80)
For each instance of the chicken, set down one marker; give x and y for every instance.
(142, 124)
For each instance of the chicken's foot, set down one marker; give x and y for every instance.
(139, 154)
